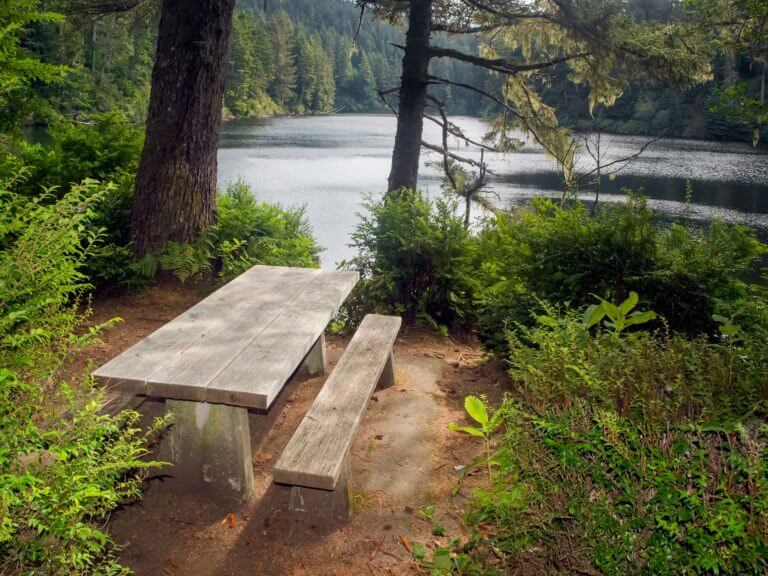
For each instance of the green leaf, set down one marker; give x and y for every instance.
(442, 559)
(730, 329)
(418, 551)
(612, 311)
(471, 430)
(640, 318)
(547, 321)
(629, 303)
(476, 409)
(593, 314)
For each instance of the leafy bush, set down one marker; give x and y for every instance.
(624, 452)
(59, 476)
(413, 259)
(248, 232)
(106, 149)
(60, 479)
(584, 490)
(251, 232)
(638, 375)
(565, 255)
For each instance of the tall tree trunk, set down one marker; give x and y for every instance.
(176, 183)
(413, 92)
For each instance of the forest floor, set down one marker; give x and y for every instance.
(404, 460)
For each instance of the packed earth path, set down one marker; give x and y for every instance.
(404, 462)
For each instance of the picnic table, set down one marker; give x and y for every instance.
(231, 352)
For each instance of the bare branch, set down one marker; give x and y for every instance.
(455, 131)
(359, 21)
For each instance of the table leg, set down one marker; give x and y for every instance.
(209, 446)
(314, 363)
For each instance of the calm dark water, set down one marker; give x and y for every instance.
(331, 164)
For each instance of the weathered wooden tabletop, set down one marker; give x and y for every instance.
(240, 345)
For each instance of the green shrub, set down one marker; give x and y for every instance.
(59, 480)
(413, 256)
(248, 232)
(639, 375)
(626, 452)
(59, 476)
(106, 148)
(565, 255)
(251, 232)
(583, 490)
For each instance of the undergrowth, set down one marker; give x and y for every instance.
(248, 232)
(622, 452)
(63, 466)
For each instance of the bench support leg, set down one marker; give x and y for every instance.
(314, 363)
(388, 376)
(209, 446)
(336, 504)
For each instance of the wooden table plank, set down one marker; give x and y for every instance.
(256, 376)
(130, 370)
(186, 376)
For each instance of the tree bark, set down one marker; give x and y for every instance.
(175, 195)
(413, 93)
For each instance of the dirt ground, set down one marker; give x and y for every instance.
(403, 460)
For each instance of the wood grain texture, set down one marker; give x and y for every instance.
(130, 370)
(316, 453)
(258, 374)
(229, 330)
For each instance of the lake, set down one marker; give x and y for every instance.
(331, 164)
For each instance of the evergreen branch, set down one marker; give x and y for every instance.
(500, 64)
(510, 17)
(452, 29)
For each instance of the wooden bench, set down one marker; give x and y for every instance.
(315, 463)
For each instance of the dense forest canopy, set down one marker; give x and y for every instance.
(302, 56)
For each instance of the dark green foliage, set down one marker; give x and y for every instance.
(565, 255)
(20, 68)
(249, 232)
(413, 256)
(106, 149)
(639, 375)
(416, 261)
(633, 500)
(297, 57)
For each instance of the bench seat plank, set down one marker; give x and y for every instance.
(316, 453)
(130, 370)
(256, 376)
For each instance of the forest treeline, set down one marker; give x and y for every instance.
(295, 57)
(308, 57)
